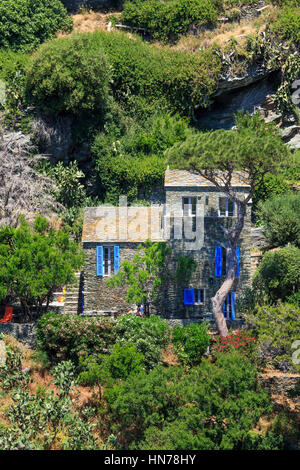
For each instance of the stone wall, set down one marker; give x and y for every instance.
(23, 332)
(204, 276)
(99, 298)
(97, 295)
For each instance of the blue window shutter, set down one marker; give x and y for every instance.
(218, 261)
(189, 296)
(99, 260)
(232, 305)
(116, 259)
(224, 309)
(237, 254)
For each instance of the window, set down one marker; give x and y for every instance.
(189, 209)
(199, 296)
(229, 306)
(108, 260)
(221, 261)
(194, 296)
(226, 207)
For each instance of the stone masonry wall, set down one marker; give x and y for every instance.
(204, 276)
(97, 295)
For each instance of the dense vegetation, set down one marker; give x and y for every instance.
(24, 24)
(132, 107)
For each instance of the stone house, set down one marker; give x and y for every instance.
(191, 221)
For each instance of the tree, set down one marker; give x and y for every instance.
(278, 274)
(24, 24)
(70, 75)
(147, 272)
(34, 262)
(252, 149)
(22, 189)
(144, 274)
(280, 216)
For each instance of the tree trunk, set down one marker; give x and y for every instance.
(221, 295)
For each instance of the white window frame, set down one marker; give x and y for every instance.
(189, 214)
(227, 199)
(110, 268)
(197, 294)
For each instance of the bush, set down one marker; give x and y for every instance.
(240, 340)
(191, 342)
(70, 75)
(124, 361)
(214, 406)
(149, 335)
(276, 328)
(34, 262)
(287, 24)
(163, 77)
(24, 24)
(167, 20)
(68, 337)
(133, 164)
(278, 274)
(280, 216)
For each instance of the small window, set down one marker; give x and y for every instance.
(226, 207)
(189, 209)
(108, 260)
(199, 296)
(227, 307)
(189, 206)
(206, 200)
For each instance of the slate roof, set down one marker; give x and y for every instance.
(117, 224)
(182, 178)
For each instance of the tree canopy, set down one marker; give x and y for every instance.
(24, 24)
(252, 147)
(34, 262)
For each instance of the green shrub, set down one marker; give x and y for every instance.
(287, 24)
(276, 329)
(280, 216)
(124, 361)
(191, 342)
(214, 406)
(68, 337)
(70, 75)
(278, 274)
(133, 163)
(149, 335)
(182, 82)
(24, 24)
(167, 20)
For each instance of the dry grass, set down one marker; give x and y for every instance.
(90, 21)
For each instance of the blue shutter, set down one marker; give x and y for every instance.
(99, 260)
(116, 259)
(224, 309)
(189, 297)
(218, 261)
(232, 305)
(237, 254)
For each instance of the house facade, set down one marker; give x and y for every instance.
(191, 221)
